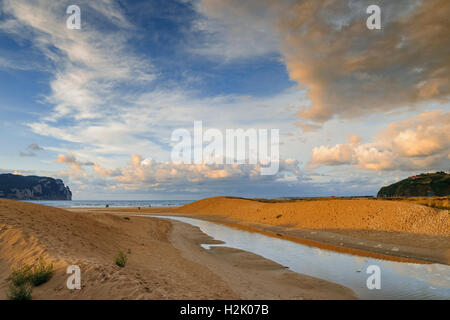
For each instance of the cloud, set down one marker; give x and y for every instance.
(142, 174)
(32, 148)
(104, 173)
(35, 147)
(162, 180)
(74, 164)
(27, 154)
(102, 95)
(88, 65)
(146, 123)
(419, 143)
(331, 156)
(427, 134)
(348, 70)
(105, 104)
(233, 30)
(308, 127)
(152, 172)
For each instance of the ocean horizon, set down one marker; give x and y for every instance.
(110, 203)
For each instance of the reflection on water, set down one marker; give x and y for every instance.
(399, 280)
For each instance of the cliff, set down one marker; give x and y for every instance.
(19, 187)
(423, 185)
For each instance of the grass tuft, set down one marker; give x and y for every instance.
(121, 259)
(41, 273)
(21, 275)
(20, 293)
(25, 277)
(35, 275)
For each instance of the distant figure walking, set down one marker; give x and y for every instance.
(107, 206)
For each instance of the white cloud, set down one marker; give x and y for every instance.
(419, 143)
(331, 156)
(141, 174)
(145, 125)
(88, 65)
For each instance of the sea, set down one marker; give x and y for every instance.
(112, 203)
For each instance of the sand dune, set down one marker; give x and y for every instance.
(358, 214)
(156, 269)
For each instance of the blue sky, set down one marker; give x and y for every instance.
(356, 108)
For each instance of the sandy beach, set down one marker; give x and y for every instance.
(391, 230)
(165, 260)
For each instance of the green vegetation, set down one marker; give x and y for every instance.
(25, 277)
(121, 259)
(423, 185)
(41, 273)
(21, 275)
(20, 293)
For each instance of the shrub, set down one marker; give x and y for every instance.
(121, 259)
(25, 277)
(41, 273)
(21, 275)
(21, 292)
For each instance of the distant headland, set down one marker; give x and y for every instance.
(19, 187)
(422, 185)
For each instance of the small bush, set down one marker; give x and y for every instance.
(25, 277)
(279, 216)
(41, 273)
(21, 275)
(121, 259)
(21, 292)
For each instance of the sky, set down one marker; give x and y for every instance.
(356, 108)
